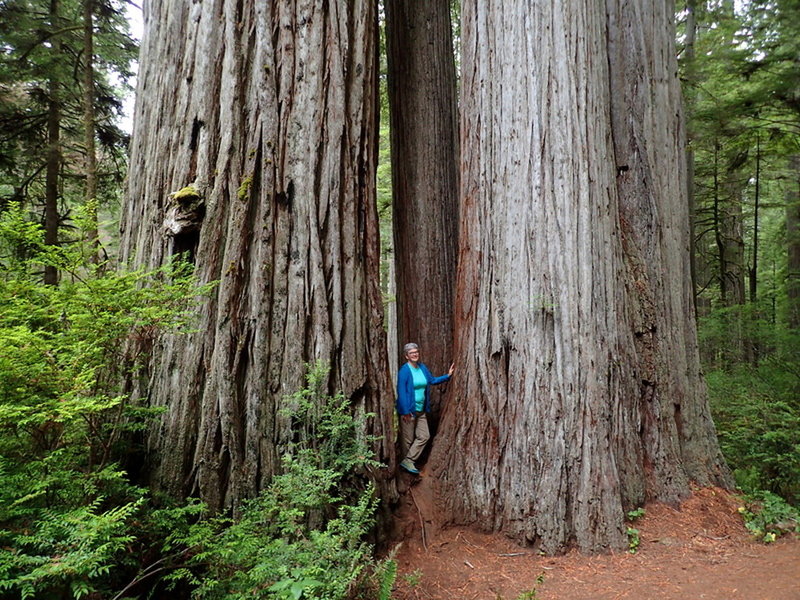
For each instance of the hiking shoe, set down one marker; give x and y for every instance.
(409, 466)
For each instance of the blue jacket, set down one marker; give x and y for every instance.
(405, 389)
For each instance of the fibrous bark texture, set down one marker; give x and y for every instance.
(579, 394)
(424, 139)
(262, 117)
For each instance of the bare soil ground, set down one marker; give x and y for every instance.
(699, 550)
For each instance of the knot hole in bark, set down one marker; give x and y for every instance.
(678, 420)
(183, 219)
(197, 125)
(286, 198)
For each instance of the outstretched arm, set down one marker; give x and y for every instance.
(442, 378)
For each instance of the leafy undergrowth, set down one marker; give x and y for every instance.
(73, 524)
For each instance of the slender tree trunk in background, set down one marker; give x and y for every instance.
(752, 348)
(690, 73)
(90, 193)
(733, 268)
(579, 388)
(391, 321)
(424, 137)
(753, 272)
(728, 188)
(729, 241)
(793, 242)
(53, 170)
(269, 110)
(732, 234)
(719, 239)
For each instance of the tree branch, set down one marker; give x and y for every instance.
(46, 37)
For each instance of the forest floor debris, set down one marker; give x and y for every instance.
(698, 551)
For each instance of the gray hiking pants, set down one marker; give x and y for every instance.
(415, 434)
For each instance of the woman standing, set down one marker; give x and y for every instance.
(414, 402)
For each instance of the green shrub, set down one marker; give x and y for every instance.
(753, 376)
(67, 509)
(768, 516)
(303, 537)
(758, 425)
(72, 524)
(65, 549)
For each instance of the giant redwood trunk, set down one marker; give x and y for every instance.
(424, 130)
(254, 151)
(578, 393)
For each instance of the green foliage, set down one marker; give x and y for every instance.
(744, 118)
(636, 514)
(40, 69)
(533, 593)
(768, 516)
(325, 427)
(385, 574)
(65, 549)
(67, 510)
(414, 578)
(757, 413)
(633, 533)
(303, 537)
(73, 524)
(741, 87)
(633, 539)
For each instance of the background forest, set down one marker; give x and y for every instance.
(76, 325)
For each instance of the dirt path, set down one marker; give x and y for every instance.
(699, 551)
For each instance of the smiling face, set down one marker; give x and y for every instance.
(413, 355)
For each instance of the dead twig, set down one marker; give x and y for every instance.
(421, 520)
(711, 537)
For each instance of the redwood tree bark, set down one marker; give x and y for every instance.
(263, 116)
(579, 388)
(424, 139)
(690, 75)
